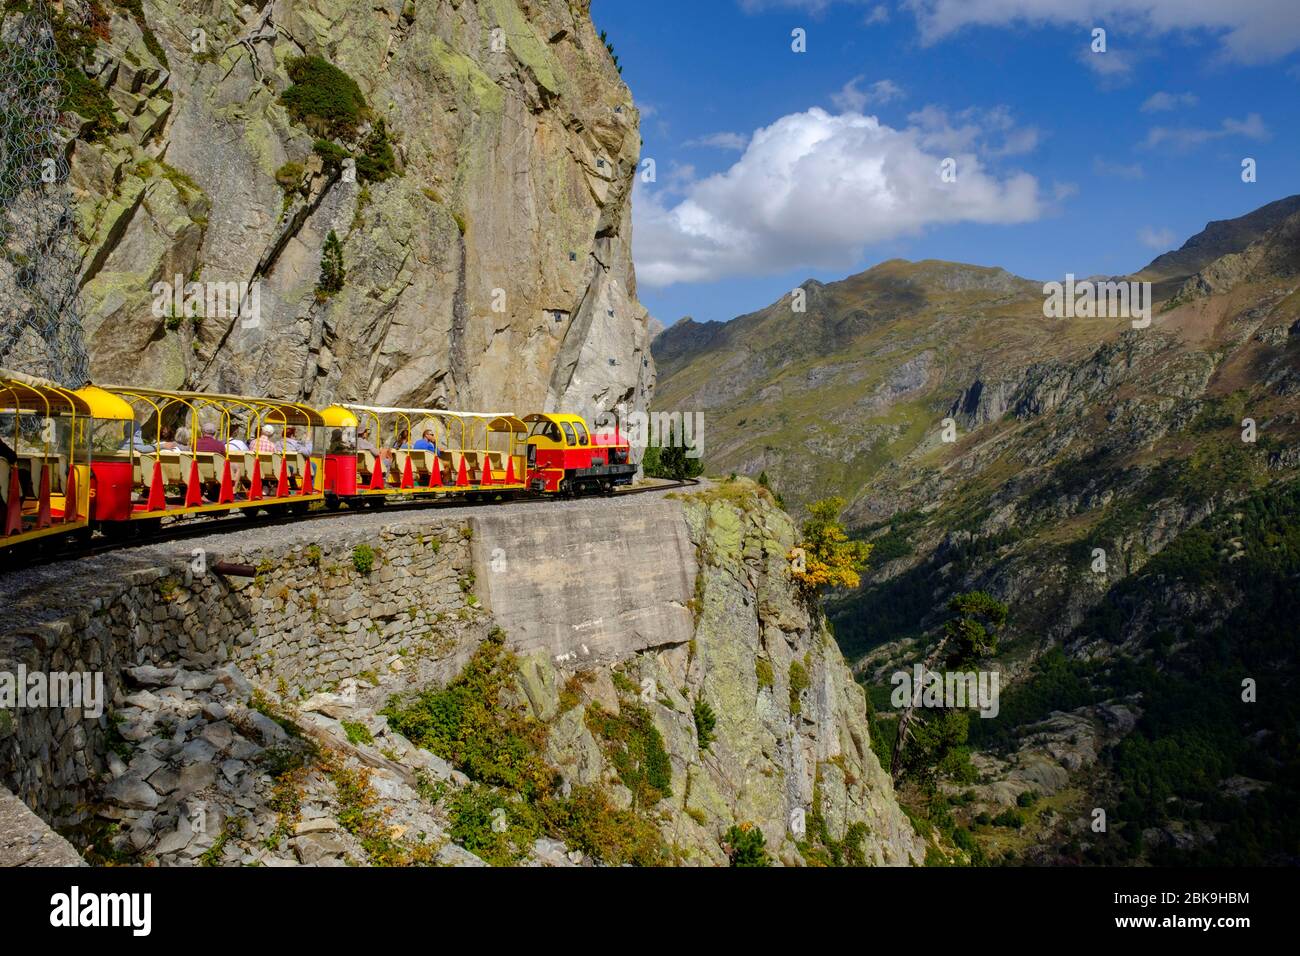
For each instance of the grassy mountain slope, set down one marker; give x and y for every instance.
(1077, 440)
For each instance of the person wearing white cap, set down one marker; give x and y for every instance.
(266, 440)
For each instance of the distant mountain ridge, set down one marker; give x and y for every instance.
(1218, 239)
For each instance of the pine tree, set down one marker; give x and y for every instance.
(331, 268)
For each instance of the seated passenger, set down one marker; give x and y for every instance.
(265, 442)
(24, 477)
(364, 443)
(236, 443)
(294, 444)
(134, 441)
(338, 445)
(182, 439)
(208, 441)
(427, 442)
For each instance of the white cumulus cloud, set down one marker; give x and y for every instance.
(815, 189)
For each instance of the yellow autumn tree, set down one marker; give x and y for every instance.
(826, 557)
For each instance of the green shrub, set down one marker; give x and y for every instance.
(471, 725)
(331, 154)
(589, 822)
(746, 846)
(636, 749)
(671, 463)
(363, 558)
(763, 671)
(1027, 799)
(1009, 818)
(609, 45)
(705, 722)
(475, 811)
(289, 176)
(376, 162)
(74, 44)
(799, 683)
(323, 97)
(358, 733)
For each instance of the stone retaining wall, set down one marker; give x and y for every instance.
(309, 619)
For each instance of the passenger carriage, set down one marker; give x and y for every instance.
(373, 454)
(44, 460)
(119, 458)
(182, 453)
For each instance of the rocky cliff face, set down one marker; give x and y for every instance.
(791, 749)
(480, 191)
(611, 723)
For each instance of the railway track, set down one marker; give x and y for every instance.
(59, 550)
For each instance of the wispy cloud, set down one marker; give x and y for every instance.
(1161, 239)
(1248, 31)
(1064, 191)
(1189, 137)
(853, 98)
(810, 6)
(1113, 67)
(993, 132)
(1104, 167)
(1163, 102)
(734, 141)
(879, 14)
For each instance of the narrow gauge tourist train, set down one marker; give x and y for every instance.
(118, 459)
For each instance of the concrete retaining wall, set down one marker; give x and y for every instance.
(574, 585)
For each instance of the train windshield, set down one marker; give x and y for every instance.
(545, 429)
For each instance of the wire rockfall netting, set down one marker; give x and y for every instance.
(40, 308)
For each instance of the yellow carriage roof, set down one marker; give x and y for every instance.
(106, 405)
(385, 410)
(494, 419)
(305, 413)
(34, 394)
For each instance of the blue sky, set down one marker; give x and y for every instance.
(1065, 160)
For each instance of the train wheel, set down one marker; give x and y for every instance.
(117, 530)
(333, 502)
(147, 526)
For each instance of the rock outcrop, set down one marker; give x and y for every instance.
(481, 195)
(791, 749)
